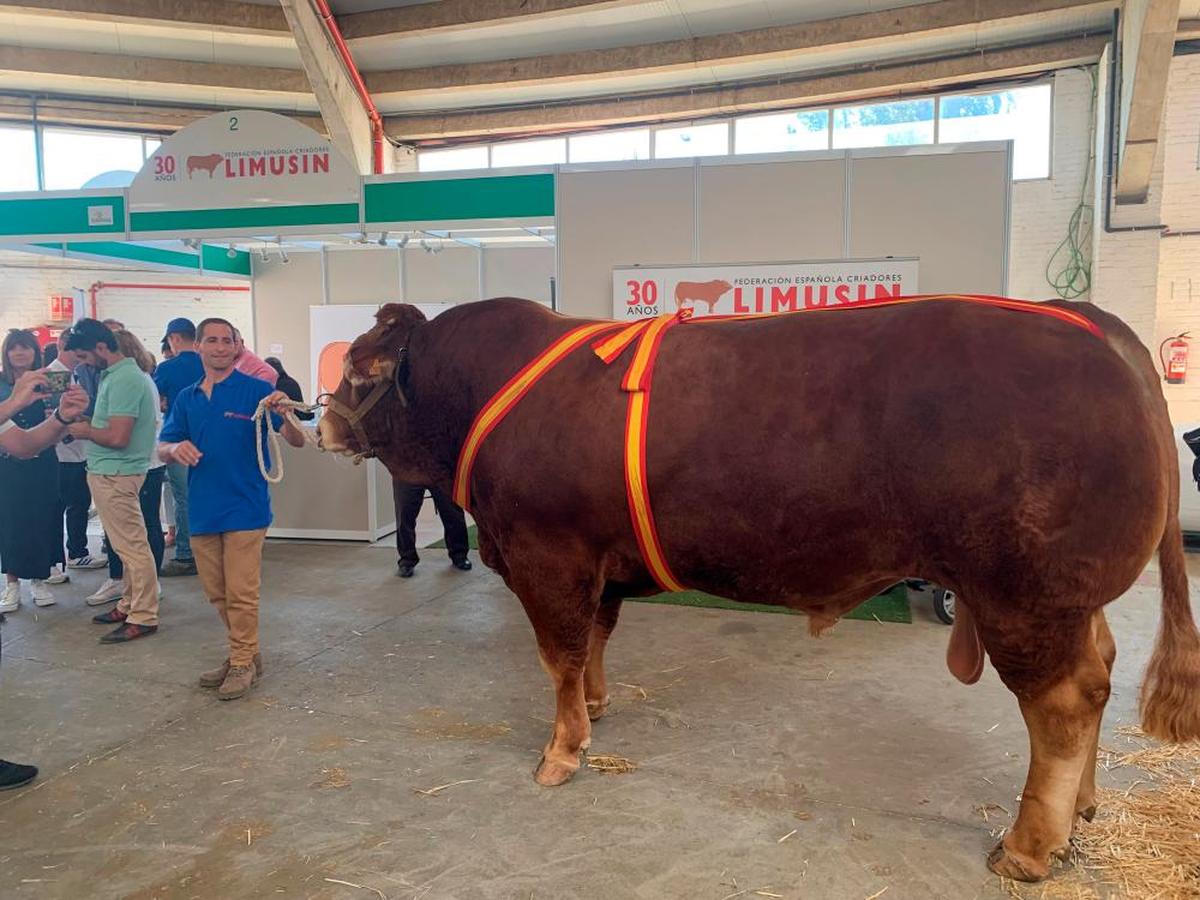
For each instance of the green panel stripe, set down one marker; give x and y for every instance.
(59, 215)
(254, 217)
(216, 259)
(493, 197)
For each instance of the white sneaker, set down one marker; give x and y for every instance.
(40, 593)
(11, 599)
(109, 591)
(57, 576)
(87, 561)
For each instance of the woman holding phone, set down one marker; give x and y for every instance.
(29, 531)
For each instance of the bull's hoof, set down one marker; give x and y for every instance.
(550, 773)
(1087, 813)
(1009, 864)
(597, 708)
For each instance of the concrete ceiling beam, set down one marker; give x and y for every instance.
(97, 114)
(464, 14)
(345, 119)
(1148, 40)
(864, 30)
(108, 66)
(1189, 30)
(228, 15)
(882, 82)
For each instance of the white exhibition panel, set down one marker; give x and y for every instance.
(358, 274)
(451, 275)
(776, 211)
(951, 210)
(946, 205)
(361, 274)
(241, 160)
(518, 272)
(619, 217)
(757, 288)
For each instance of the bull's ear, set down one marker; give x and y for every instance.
(399, 316)
(373, 356)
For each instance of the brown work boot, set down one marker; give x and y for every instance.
(238, 680)
(216, 677)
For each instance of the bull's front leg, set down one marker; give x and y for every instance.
(561, 604)
(572, 728)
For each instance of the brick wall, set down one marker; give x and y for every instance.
(1178, 277)
(1042, 209)
(27, 280)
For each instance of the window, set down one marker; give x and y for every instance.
(545, 152)
(806, 130)
(1021, 114)
(19, 172)
(692, 140)
(610, 145)
(457, 158)
(149, 145)
(71, 159)
(884, 124)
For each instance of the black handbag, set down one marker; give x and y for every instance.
(1192, 439)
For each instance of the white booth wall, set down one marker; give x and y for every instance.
(367, 273)
(946, 205)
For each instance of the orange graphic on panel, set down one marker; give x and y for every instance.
(329, 366)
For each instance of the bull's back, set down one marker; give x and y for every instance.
(952, 441)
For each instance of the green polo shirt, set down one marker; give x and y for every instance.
(125, 390)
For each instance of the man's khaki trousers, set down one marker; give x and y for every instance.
(230, 569)
(116, 498)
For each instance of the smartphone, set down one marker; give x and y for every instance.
(59, 381)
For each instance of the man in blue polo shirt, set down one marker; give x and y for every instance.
(210, 429)
(173, 375)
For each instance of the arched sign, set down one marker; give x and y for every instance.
(235, 166)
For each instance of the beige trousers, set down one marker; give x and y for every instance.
(116, 498)
(230, 569)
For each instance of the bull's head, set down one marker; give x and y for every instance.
(360, 418)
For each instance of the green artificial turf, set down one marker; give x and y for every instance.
(890, 606)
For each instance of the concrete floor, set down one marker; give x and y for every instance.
(860, 743)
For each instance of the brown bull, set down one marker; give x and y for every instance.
(709, 292)
(1021, 461)
(207, 163)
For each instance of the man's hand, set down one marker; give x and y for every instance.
(186, 452)
(74, 401)
(81, 431)
(29, 387)
(277, 402)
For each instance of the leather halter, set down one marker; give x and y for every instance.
(355, 415)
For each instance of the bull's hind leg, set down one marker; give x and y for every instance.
(595, 687)
(1085, 803)
(1062, 704)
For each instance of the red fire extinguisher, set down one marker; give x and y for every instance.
(1175, 359)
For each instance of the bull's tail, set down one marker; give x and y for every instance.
(1170, 701)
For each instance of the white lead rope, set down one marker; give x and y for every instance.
(262, 421)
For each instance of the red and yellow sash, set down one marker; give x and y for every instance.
(648, 335)
(507, 397)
